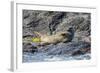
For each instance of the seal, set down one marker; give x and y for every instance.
(63, 36)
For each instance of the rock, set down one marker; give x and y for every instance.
(81, 51)
(72, 48)
(49, 22)
(27, 47)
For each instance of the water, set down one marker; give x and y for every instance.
(41, 57)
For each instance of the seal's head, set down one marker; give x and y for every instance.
(71, 29)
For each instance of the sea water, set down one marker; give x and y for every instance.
(41, 57)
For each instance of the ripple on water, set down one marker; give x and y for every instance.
(41, 57)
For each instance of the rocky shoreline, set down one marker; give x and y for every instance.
(51, 22)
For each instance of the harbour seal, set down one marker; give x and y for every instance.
(63, 36)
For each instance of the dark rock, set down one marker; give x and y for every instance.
(27, 47)
(77, 53)
(72, 48)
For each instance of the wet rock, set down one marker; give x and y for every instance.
(71, 48)
(27, 47)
